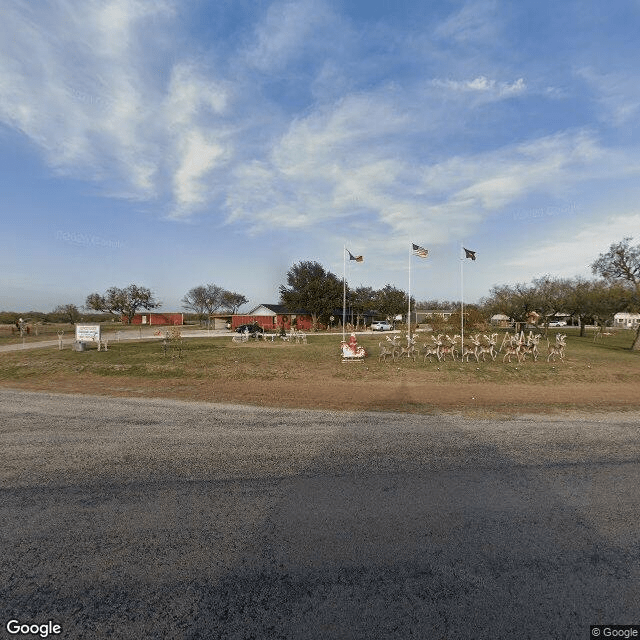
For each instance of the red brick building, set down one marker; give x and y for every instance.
(150, 318)
(272, 317)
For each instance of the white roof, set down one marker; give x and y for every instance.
(625, 315)
(260, 310)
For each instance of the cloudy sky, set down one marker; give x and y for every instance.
(172, 144)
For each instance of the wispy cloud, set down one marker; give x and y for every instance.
(482, 84)
(572, 253)
(288, 33)
(477, 22)
(107, 98)
(617, 93)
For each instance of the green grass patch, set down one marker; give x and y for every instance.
(609, 360)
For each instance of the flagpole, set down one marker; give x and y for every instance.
(344, 289)
(409, 309)
(462, 304)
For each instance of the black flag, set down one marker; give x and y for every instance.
(469, 254)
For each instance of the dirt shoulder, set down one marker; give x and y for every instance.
(405, 396)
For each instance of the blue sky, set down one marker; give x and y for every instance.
(172, 144)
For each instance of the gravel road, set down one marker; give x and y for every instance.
(132, 518)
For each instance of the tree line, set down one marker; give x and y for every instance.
(320, 293)
(617, 288)
(202, 300)
(311, 288)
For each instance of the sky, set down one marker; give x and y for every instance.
(172, 144)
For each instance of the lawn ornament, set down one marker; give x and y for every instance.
(351, 351)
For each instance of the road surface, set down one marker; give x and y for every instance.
(149, 518)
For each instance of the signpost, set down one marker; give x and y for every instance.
(86, 333)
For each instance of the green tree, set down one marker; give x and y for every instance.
(622, 264)
(362, 300)
(312, 289)
(123, 302)
(391, 301)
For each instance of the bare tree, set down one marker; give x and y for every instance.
(68, 312)
(123, 302)
(549, 296)
(194, 300)
(204, 299)
(516, 301)
(232, 301)
(622, 263)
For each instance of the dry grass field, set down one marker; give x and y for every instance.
(601, 375)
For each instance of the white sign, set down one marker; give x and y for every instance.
(88, 332)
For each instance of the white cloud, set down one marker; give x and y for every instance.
(477, 22)
(190, 136)
(199, 156)
(190, 93)
(289, 29)
(334, 164)
(82, 94)
(483, 85)
(86, 98)
(572, 252)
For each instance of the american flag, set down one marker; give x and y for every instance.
(356, 258)
(419, 251)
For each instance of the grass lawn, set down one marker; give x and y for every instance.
(49, 331)
(602, 374)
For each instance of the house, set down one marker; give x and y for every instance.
(625, 320)
(220, 320)
(272, 317)
(150, 318)
(500, 320)
(560, 316)
(353, 318)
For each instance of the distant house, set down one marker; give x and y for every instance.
(500, 320)
(220, 320)
(625, 320)
(155, 319)
(272, 317)
(560, 316)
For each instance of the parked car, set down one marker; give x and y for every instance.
(251, 328)
(381, 325)
(558, 323)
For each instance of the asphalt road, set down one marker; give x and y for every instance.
(127, 518)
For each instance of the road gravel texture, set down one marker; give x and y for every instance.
(150, 518)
